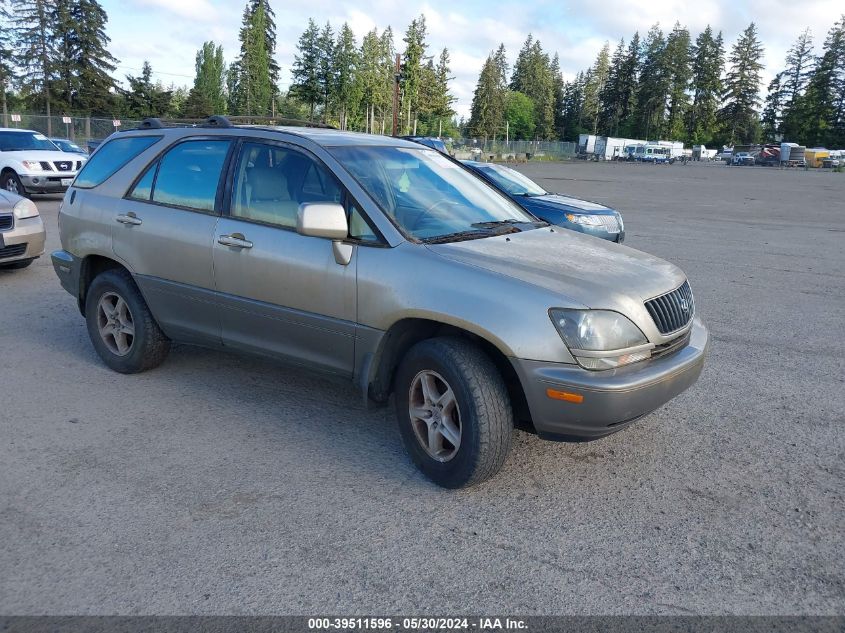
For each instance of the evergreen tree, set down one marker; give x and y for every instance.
(269, 37)
(520, 116)
(346, 60)
(626, 92)
(573, 106)
(708, 62)
(488, 101)
(679, 72)
(6, 61)
(325, 68)
(208, 95)
(412, 64)
(771, 119)
(252, 90)
(388, 70)
(799, 67)
(533, 76)
(653, 86)
(306, 69)
(146, 98)
(597, 78)
(822, 107)
(558, 91)
(610, 97)
(35, 50)
(739, 116)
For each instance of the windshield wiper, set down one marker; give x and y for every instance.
(459, 236)
(511, 223)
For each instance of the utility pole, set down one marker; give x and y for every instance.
(396, 76)
(507, 133)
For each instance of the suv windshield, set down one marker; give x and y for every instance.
(428, 196)
(512, 181)
(16, 141)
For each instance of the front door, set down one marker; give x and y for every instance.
(163, 230)
(281, 293)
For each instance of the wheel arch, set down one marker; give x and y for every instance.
(90, 267)
(407, 332)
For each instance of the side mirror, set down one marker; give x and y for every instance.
(322, 219)
(326, 220)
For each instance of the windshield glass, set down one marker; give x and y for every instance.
(512, 181)
(13, 141)
(427, 195)
(67, 146)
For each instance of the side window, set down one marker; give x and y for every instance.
(189, 173)
(143, 190)
(110, 157)
(271, 182)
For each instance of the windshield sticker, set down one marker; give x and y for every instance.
(40, 137)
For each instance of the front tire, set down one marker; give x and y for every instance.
(10, 182)
(121, 326)
(453, 412)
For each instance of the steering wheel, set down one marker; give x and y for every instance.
(430, 211)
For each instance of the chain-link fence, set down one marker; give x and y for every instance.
(78, 129)
(513, 150)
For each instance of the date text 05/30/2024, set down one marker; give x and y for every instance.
(416, 624)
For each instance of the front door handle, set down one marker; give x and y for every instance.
(236, 240)
(130, 219)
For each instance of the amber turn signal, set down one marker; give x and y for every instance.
(554, 394)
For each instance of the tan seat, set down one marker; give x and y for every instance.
(268, 199)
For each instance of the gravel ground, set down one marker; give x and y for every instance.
(222, 484)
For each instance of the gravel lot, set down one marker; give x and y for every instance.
(223, 484)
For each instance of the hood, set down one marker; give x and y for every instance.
(586, 270)
(560, 202)
(43, 154)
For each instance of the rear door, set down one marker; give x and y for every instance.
(164, 229)
(281, 293)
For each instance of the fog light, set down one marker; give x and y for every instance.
(35, 181)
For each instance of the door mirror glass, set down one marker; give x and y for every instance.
(322, 219)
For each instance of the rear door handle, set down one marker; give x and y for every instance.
(130, 218)
(236, 240)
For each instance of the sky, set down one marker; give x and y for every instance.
(168, 33)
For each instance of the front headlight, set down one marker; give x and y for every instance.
(586, 220)
(600, 339)
(32, 165)
(25, 208)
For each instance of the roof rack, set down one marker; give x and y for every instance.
(220, 121)
(150, 123)
(217, 120)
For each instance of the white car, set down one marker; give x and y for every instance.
(31, 163)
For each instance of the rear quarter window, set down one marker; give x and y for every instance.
(109, 158)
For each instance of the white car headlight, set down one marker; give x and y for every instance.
(32, 165)
(587, 220)
(25, 208)
(600, 339)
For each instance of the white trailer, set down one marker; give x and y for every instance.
(586, 143)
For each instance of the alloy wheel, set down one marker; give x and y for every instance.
(435, 416)
(115, 324)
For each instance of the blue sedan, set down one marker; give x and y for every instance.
(571, 213)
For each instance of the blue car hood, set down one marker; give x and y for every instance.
(560, 202)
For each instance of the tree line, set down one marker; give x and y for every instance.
(667, 86)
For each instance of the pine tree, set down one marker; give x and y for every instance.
(533, 76)
(558, 90)
(823, 105)
(306, 68)
(6, 61)
(35, 50)
(679, 72)
(412, 63)
(146, 98)
(739, 116)
(707, 66)
(771, 118)
(388, 70)
(626, 93)
(596, 82)
(488, 101)
(269, 37)
(573, 106)
(325, 68)
(346, 61)
(653, 86)
(520, 115)
(610, 97)
(208, 95)
(252, 91)
(799, 66)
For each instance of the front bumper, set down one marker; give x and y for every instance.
(47, 182)
(68, 268)
(25, 240)
(612, 399)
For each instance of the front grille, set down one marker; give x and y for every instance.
(673, 310)
(78, 165)
(64, 165)
(6, 222)
(45, 165)
(12, 251)
(609, 222)
(671, 347)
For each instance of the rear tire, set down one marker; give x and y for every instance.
(121, 326)
(474, 410)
